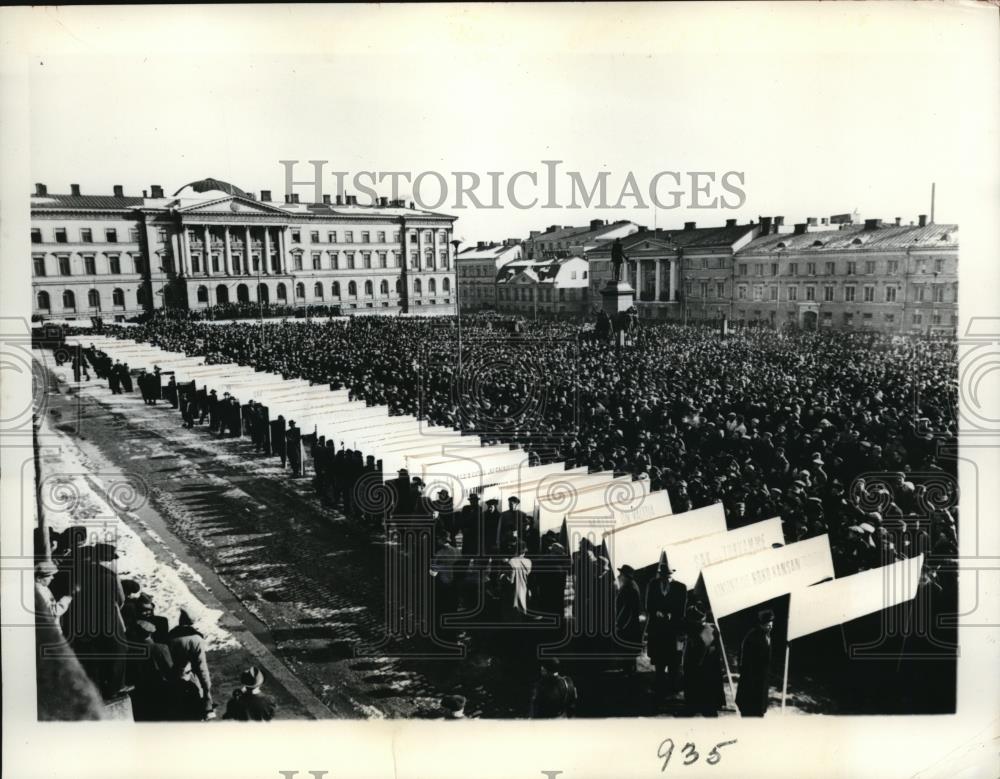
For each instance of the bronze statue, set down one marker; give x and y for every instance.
(618, 258)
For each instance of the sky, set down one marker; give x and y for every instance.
(820, 109)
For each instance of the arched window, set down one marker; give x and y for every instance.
(335, 289)
(300, 291)
(202, 294)
(264, 295)
(352, 288)
(243, 293)
(369, 289)
(318, 291)
(446, 285)
(43, 301)
(118, 297)
(431, 287)
(418, 288)
(221, 294)
(69, 300)
(94, 299)
(383, 288)
(399, 286)
(282, 293)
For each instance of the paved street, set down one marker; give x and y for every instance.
(305, 582)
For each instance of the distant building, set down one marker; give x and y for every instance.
(872, 276)
(553, 288)
(211, 242)
(477, 269)
(569, 241)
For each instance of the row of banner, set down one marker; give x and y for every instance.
(740, 568)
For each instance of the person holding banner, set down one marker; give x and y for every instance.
(666, 602)
(755, 667)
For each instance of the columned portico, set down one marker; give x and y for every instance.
(657, 277)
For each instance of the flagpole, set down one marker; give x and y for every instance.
(784, 684)
(725, 659)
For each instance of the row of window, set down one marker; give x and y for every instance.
(527, 294)
(890, 294)
(350, 261)
(365, 236)
(871, 267)
(61, 235)
(65, 267)
(242, 291)
(44, 301)
(847, 317)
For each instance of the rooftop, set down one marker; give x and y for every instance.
(858, 237)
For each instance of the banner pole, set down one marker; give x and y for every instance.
(784, 684)
(725, 659)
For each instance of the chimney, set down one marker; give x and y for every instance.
(412, 207)
(534, 233)
(765, 225)
(383, 202)
(338, 200)
(288, 198)
(145, 194)
(824, 220)
(812, 221)
(74, 189)
(689, 225)
(800, 228)
(778, 222)
(155, 191)
(922, 220)
(326, 199)
(119, 190)
(295, 198)
(41, 189)
(898, 220)
(873, 224)
(480, 244)
(730, 223)
(596, 224)
(265, 195)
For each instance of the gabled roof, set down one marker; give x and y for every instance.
(695, 238)
(492, 252)
(856, 237)
(232, 204)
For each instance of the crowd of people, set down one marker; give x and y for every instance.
(837, 433)
(111, 625)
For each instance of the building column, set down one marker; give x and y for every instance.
(673, 279)
(227, 258)
(186, 250)
(247, 252)
(638, 279)
(657, 278)
(207, 253)
(265, 259)
(625, 271)
(282, 248)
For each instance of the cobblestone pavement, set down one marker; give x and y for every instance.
(312, 579)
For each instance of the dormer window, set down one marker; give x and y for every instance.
(781, 245)
(817, 243)
(857, 242)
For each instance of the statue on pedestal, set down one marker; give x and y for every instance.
(618, 258)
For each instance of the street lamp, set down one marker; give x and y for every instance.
(456, 242)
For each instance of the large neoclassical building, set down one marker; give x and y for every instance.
(211, 242)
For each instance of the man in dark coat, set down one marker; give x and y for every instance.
(293, 447)
(513, 523)
(491, 526)
(248, 704)
(126, 377)
(554, 695)
(628, 617)
(666, 604)
(755, 667)
(278, 439)
(115, 380)
(703, 669)
(149, 672)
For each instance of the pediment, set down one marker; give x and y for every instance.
(232, 205)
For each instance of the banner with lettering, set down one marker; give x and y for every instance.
(826, 605)
(640, 544)
(689, 557)
(745, 581)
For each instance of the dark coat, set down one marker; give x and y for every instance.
(662, 632)
(472, 531)
(628, 607)
(249, 707)
(703, 669)
(755, 666)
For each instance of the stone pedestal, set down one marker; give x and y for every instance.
(617, 296)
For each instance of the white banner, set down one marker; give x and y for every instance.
(826, 605)
(689, 557)
(745, 581)
(640, 544)
(558, 494)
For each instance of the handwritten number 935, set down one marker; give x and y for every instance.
(690, 752)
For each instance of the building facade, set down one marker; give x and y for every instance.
(553, 289)
(873, 276)
(212, 243)
(570, 241)
(477, 269)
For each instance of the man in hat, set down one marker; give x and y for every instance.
(149, 672)
(703, 691)
(248, 704)
(666, 604)
(45, 572)
(628, 617)
(491, 526)
(513, 523)
(278, 439)
(755, 667)
(190, 658)
(293, 445)
(554, 695)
